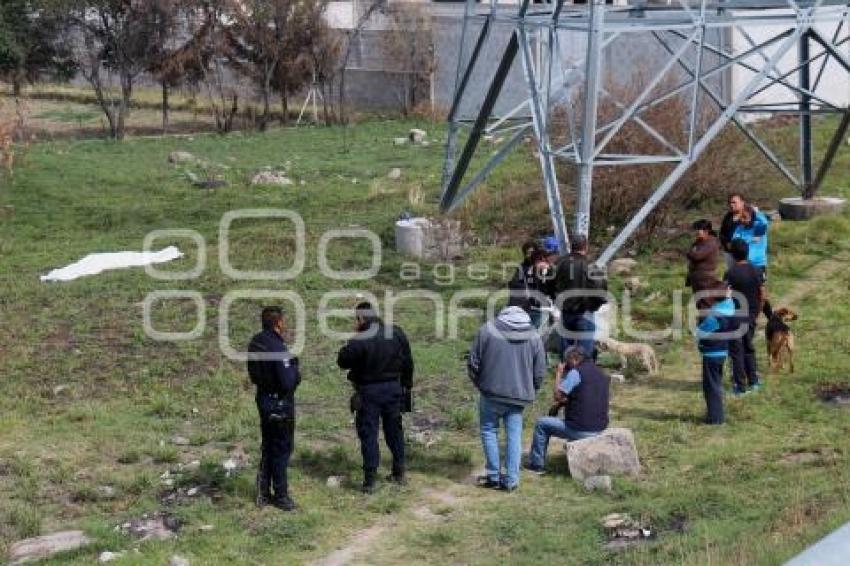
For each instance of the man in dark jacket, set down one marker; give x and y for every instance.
(580, 290)
(380, 367)
(507, 363)
(746, 282)
(584, 388)
(275, 373)
(528, 289)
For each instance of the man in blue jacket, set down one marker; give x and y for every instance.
(745, 222)
(507, 363)
(275, 373)
(713, 334)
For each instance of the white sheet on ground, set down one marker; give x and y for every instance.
(93, 264)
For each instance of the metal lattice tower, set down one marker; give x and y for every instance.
(728, 56)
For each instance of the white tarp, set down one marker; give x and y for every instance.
(93, 264)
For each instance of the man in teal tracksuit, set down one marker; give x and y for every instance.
(713, 335)
(748, 223)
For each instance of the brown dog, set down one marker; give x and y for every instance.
(779, 337)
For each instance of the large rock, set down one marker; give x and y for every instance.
(418, 136)
(45, 546)
(182, 157)
(621, 266)
(612, 452)
(272, 178)
(796, 208)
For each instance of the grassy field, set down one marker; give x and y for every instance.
(71, 112)
(90, 406)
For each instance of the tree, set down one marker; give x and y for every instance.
(167, 64)
(28, 45)
(352, 38)
(111, 38)
(323, 48)
(309, 55)
(408, 50)
(211, 53)
(276, 39)
(262, 29)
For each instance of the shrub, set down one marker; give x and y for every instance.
(26, 520)
(729, 163)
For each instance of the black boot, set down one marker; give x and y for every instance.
(284, 503)
(370, 483)
(398, 476)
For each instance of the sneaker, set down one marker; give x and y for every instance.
(487, 483)
(508, 488)
(284, 503)
(535, 469)
(369, 487)
(738, 392)
(757, 386)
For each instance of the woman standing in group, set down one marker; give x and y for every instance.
(703, 256)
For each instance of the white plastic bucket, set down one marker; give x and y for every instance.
(410, 236)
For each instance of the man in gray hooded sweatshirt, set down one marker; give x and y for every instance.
(507, 364)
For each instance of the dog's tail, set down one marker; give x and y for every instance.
(767, 309)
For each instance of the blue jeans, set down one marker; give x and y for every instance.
(580, 331)
(545, 428)
(490, 413)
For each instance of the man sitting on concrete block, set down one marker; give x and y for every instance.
(582, 388)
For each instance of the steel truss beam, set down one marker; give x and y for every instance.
(701, 59)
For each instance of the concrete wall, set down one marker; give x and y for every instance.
(628, 55)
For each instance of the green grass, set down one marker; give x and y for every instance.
(68, 115)
(743, 494)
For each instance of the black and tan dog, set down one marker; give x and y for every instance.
(779, 337)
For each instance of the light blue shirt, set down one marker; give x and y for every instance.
(570, 382)
(756, 237)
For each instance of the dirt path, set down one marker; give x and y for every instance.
(363, 541)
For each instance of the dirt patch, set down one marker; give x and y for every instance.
(817, 456)
(802, 457)
(61, 338)
(435, 506)
(835, 394)
(157, 526)
(361, 542)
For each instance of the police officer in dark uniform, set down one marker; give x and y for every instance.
(275, 373)
(381, 369)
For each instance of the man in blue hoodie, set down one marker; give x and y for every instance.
(507, 364)
(745, 222)
(713, 334)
